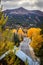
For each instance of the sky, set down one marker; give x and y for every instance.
(27, 4)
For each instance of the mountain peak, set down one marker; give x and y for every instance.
(21, 8)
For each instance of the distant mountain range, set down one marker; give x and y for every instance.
(21, 17)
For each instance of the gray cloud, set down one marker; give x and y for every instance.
(28, 4)
(39, 4)
(9, 4)
(10, 0)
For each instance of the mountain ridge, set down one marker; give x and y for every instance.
(23, 11)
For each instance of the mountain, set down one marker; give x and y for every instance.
(23, 11)
(21, 17)
(17, 11)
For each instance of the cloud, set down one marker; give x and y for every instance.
(9, 4)
(12, 0)
(28, 4)
(39, 4)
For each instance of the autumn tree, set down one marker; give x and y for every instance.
(20, 33)
(39, 53)
(32, 32)
(37, 43)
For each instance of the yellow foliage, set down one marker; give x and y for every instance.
(2, 45)
(33, 31)
(14, 31)
(9, 45)
(0, 22)
(11, 61)
(36, 42)
(20, 31)
(7, 29)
